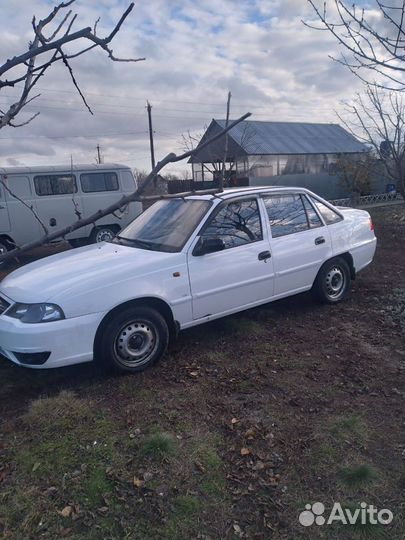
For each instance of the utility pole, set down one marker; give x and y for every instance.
(98, 154)
(152, 150)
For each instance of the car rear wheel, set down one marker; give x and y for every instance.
(133, 340)
(333, 281)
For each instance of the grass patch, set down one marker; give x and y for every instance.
(186, 505)
(57, 414)
(362, 530)
(349, 425)
(159, 445)
(358, 475)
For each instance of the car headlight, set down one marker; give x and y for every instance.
(36, 313)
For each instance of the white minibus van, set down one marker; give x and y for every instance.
(57, 194)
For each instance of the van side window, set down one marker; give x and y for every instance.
(99, 181)
(55, 184)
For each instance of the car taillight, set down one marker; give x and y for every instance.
(371, 224)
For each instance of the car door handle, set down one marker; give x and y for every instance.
(319, 240)
(264, 255)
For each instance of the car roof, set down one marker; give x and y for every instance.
(250, 190)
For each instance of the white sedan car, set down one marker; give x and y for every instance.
(183, 262)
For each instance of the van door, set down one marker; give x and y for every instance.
(24, 227)
(99, 190)
(57, 201)
(4, 218)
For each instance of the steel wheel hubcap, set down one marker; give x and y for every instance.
(136, 342)
(103, 235)
(335, 282)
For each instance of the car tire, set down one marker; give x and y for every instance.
(332, 282)
(102, 233)
(133, 340)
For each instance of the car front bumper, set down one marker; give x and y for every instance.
(69, 341)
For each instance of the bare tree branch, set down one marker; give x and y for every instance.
(29, 206)
(126, 199)
(378, 119)
(372, 49)
(42, 44)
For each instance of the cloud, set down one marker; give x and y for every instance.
(258, 49)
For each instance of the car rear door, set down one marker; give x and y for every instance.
(239, 275)
(300, 242)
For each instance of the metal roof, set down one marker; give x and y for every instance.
(62, 168)
(258, 137)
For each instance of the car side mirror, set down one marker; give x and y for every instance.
(208, 245)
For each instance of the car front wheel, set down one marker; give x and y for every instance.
(133, 340)
(333, 281)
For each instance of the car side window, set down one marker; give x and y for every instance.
(236, 223)
(313, 218)
(329, 215)
(286, 214)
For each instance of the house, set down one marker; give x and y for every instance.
(279, 153)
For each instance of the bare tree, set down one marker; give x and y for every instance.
(355, 173)
(45, 50)
(377, 118)
(126, 199)
(372, 43)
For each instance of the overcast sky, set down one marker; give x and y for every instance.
(195, 52)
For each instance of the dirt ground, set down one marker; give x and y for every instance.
(246, 421)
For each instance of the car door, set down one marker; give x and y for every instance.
(300, 242)
(239, 275)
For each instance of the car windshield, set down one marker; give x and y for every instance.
(164, 226)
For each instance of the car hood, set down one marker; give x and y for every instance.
(82, 269)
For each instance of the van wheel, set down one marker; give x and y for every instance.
(3, 247)
(102, 234)
(133, 340)
(332, 282)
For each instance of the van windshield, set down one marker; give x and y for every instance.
(164, 226)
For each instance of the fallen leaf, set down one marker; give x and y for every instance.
(245, 451)
(259, 466)
(36, 465)
(194, 373)
(199, 466)
(138, 482)
(234, 421)
(66, 512)
(103, 509)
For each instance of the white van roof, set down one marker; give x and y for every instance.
(61, 168)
